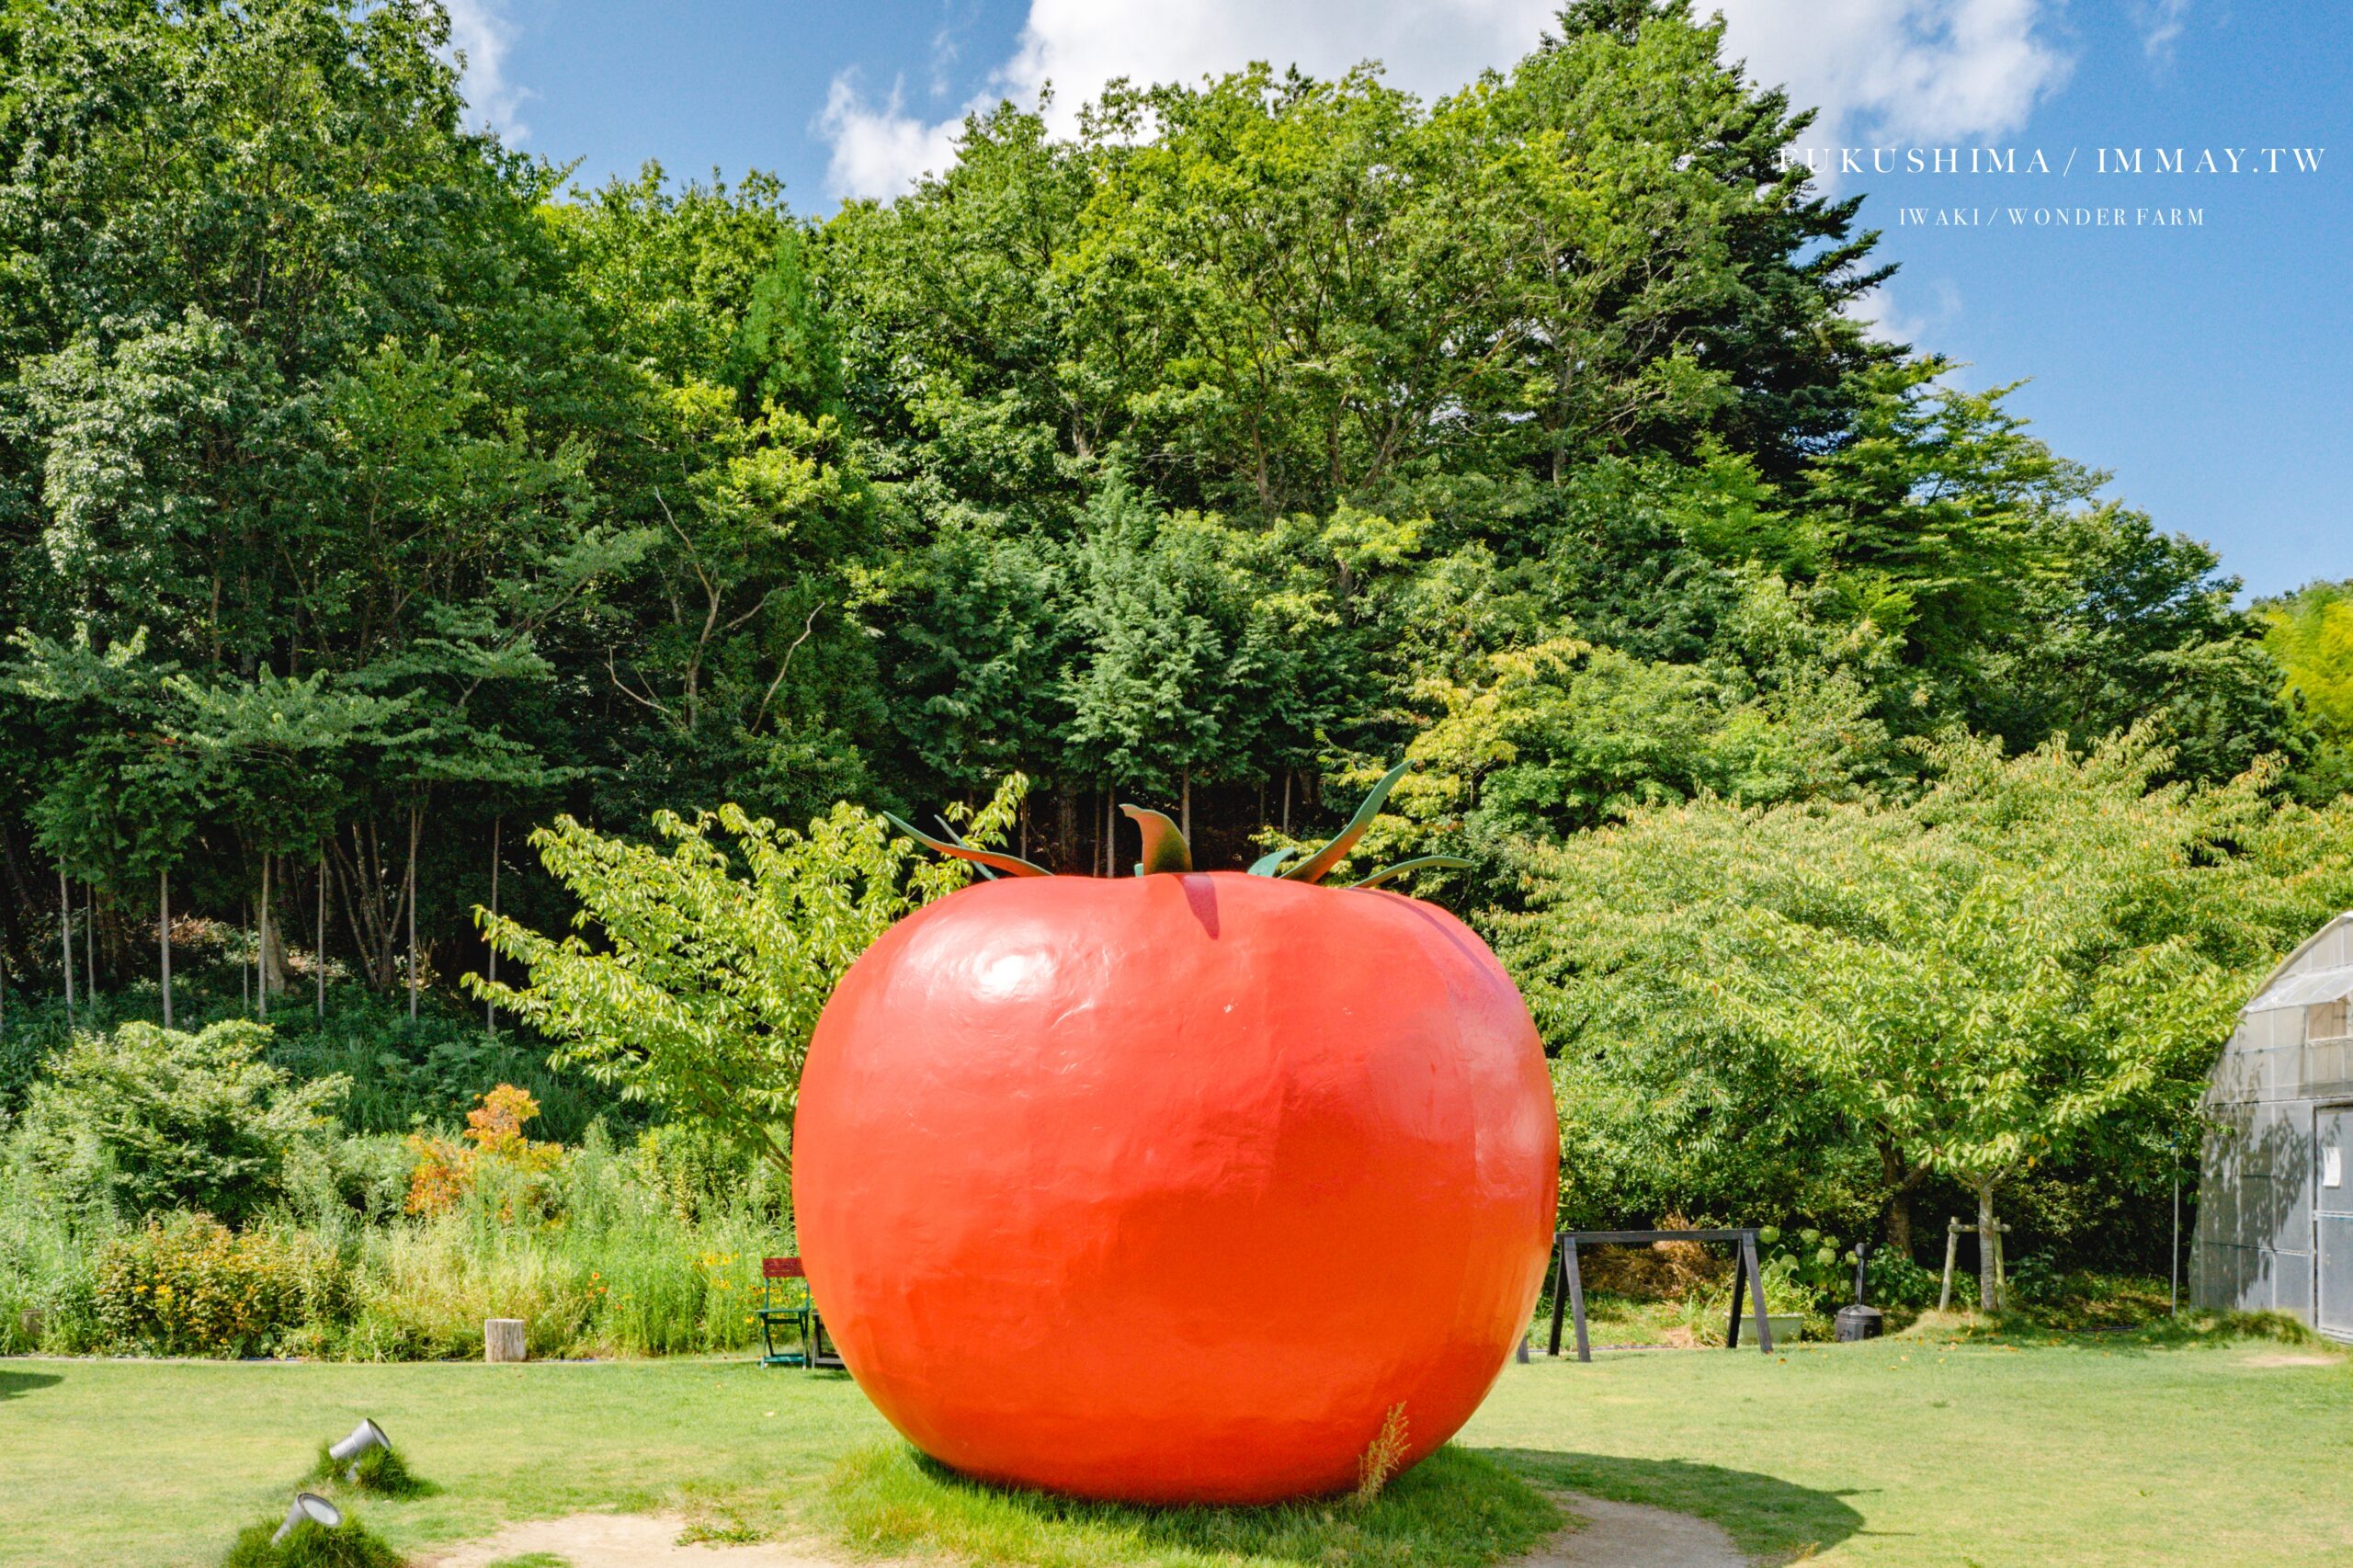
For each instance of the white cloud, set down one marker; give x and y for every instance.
(878, 152)
(480, 35)
(1931, 70)
(2160, 22)
(1885, 319)
(1910, 71)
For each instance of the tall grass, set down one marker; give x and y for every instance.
(610, 1268)
(604, 1256)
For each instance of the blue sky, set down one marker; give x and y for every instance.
(2209, 367)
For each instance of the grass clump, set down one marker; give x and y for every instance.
(379, 1472)
(1381, 1457)
(1453, 1510)
(311, 1545)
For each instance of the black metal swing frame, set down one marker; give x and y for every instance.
(1568, 1281)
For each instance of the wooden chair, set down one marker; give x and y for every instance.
(785, 1299)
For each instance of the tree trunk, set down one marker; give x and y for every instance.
(163, 937)
(1989, 1249)
(489, 1009)
(277, 972)
(261, 945)
(1066, 826)
(415, 825)
(1900, 1182)
(1184, 806)
(90, 941)
(65, 937)
(318, 952)
(1286, 800)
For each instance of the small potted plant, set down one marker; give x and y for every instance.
(1802, 1272)
(1785, 1300)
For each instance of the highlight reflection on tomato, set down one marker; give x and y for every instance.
(1170, 1187)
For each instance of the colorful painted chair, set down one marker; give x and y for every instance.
(785, 1299)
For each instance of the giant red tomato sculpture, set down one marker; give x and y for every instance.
(1169, 1188)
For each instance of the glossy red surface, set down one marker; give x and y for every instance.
(1168, 1188)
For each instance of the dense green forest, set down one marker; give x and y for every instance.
(371, 495)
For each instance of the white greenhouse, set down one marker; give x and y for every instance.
(2275, 1211)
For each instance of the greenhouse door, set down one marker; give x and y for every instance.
(2333, 1218)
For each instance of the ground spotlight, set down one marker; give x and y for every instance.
(312, 1506)
(364, 1437)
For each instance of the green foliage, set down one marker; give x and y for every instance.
(1892, 1279)
(596, 1256)
(187, 1285)
(703, 984)
(2309, 635)
(368, 499)
(165, 1120)
(1812, 1009)
(1815, 1272)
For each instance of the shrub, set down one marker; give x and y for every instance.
(166, 1119)
(1894, 1280)
(189, 1286)
(446, 1172)
(1812, 1269)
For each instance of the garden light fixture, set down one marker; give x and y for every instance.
(312, 1506)
(364, 1437)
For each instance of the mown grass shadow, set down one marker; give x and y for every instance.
(13, 1384)
(2194, 1329)
(1764, 1515)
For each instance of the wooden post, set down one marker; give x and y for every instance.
(502, 1340)
(1952, 1242)
(163, 937)
(1756, 1283)
(2001, 1280)
(1739, 1292)
(1576, 1274)
(1559, 1289)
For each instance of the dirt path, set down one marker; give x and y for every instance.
(622, 1540)
(1630, 1535)
(1615, 1535)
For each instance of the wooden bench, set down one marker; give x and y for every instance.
(785, 1299)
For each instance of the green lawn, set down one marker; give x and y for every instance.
(1919, 1450)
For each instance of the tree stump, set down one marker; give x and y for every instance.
(502, 1340)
